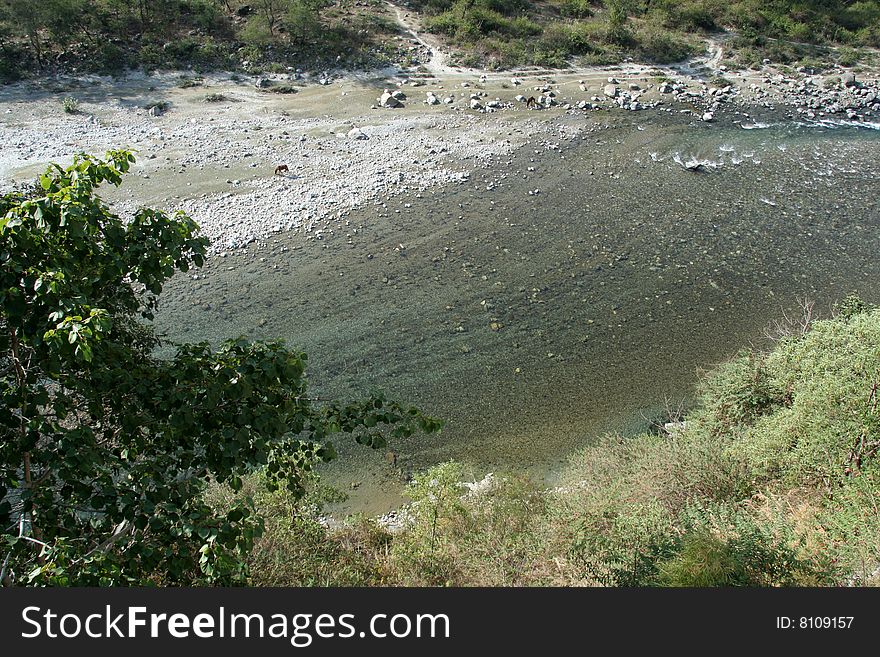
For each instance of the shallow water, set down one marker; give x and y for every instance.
(533, 322)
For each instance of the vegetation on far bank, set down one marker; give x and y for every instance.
(108, 36)
(498, 33)
(772, 481)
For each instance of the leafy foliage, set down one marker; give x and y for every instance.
(106, 449)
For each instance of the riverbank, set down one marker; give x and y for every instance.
(209, 145)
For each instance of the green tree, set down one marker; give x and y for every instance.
(618, 15)
(30, 18)
(272, 12)
(106, 449)
(302, 19)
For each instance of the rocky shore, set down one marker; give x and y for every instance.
(210, 146)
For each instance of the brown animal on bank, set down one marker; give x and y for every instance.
(281, 168)
(531, 102)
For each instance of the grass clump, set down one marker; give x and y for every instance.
(188, 82)
(281, 89)
(295, 549)
(70, 105)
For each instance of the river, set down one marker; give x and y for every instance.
(573, 297)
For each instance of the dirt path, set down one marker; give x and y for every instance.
(438, 64)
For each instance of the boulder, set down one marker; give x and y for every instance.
(432, 99)
(387, 99)
(357, 133)
(610, 91)
(475, 104)
(848, 79)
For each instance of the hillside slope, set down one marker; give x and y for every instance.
(255, 35)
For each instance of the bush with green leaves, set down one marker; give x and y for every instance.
(822, 387)
(662, 46)
(106, 448)
(849, 522)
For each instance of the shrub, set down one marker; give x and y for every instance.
(737, 392)
(850, 306)
(187, 82)
(70, 105)
(161, 105)
(281, 89)
(662, 47)
(848, 57)
(728, 547)
(422, 553)
(576, 9)
(829, 376)
(620, 545)
(850, 528)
